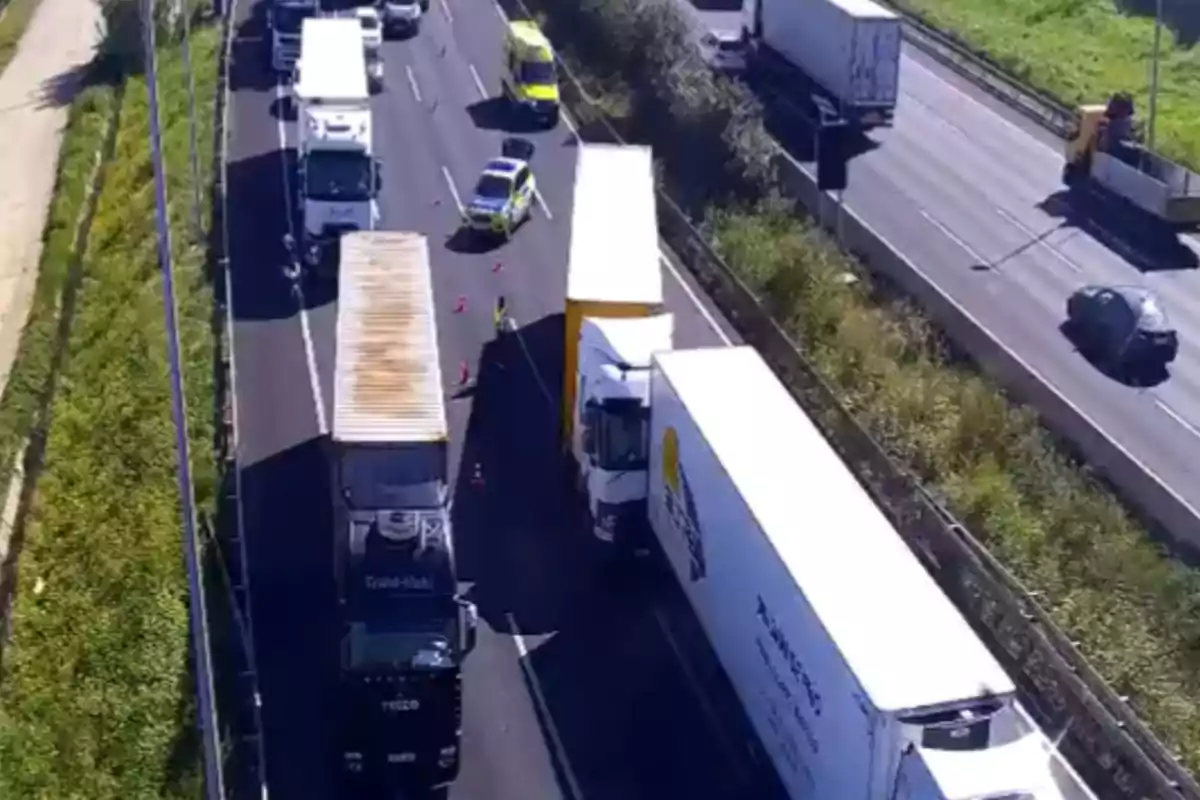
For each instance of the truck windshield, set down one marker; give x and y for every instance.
(338, 176)
(623, 436)
(287, 19)
(403, 642)
(537, 73)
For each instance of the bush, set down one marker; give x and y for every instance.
(97, 697)
(1083, 51)
(1050, 521)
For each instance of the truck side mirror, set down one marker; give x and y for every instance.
(590, 420)
(468, 618)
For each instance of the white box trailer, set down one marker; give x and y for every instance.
(849, 48)
(858, 674)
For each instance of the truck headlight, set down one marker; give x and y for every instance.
(447, 756)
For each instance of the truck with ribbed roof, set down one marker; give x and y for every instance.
(405, 629)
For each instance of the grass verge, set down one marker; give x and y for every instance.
(1084, 50)
(1132, 611)
(15, 19)
(97, 697)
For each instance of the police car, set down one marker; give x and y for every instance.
(504, 195)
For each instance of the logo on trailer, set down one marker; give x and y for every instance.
(681, 505)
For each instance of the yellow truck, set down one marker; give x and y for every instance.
(530, 79)
(613, 326)
(1104, 152)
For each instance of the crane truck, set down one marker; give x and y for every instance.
(1103, 152)
(613, 323)
(405, 629)
(339, 176)
(859, 676)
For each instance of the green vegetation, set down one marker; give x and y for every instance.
(1084, 50)
(15, 18)
(97, 700)
(1131, 610)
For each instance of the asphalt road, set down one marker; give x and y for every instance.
(584, 683)
(970, 191)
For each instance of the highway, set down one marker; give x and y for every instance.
(584, 684)
(970, 192)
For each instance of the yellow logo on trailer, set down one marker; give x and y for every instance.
(530, 76)
(681, 505)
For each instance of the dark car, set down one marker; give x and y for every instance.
(1124, 325)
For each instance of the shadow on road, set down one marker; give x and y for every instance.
(288, 523)
(469, 242)
(257, 224)
(1138, 376)
(1143, 242)
(629, 724)
(498, 114)
(250, 53)
(513, 520)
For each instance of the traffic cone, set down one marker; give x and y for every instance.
(461, 304)
(496, 267)
(464, 373)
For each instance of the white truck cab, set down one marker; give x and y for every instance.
(612, 433)
(339, 175)
(613, 325)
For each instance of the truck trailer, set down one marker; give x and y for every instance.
(859, 676)
(613, 324)
(405, 627)
(846, 52)
(339, 176)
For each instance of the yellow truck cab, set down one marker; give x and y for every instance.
(530, 78)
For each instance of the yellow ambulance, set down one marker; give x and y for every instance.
(530, 77)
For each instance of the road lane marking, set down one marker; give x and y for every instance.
(483, 92)
(310, 353)
(511, 325)
(500, 12)
(704, 312)
(412, 82)
(952, 236)
(539, 698)
(1175, 415)
(246, 615)
(541, 201)
(710, 713)
(1039, 238)
(1022, 133)
(446, 11)
(453, 190)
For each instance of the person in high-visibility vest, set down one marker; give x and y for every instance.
(500, 315)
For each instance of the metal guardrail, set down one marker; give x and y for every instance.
(1095, 728)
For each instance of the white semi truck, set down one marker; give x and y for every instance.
(339, 176)
(860, 677)
(845, 51)
(613, 324)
